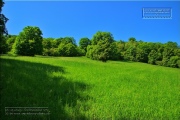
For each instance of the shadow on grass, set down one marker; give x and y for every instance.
(27, 84)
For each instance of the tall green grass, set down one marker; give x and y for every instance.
(80, 88)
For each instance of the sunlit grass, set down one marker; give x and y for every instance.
(80, 88)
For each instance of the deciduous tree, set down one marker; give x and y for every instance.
(28, 42)
(83, 43)
(101, 46)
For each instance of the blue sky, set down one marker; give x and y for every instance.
(83, 19)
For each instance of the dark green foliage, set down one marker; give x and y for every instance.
(102, 47)
(173, 61)
(83, 43)
(142, 51)
(102, 51)
(10, 41)
(68, 49)
(120, 45)
(3, 30)
(177, 52)
(141, 55)
(45, 52)
(56, 42)
(178, 63)
(159, 63)
(147, 48)
(53, 52)
(61, 47)
(120, 49)
(99, 52)
(171, 44)
(130, 49)
(47, 43)
(3, 45)
(115, 54)
(167, 53)
(147, 52)
(28, 42)
(131, 43)
(71, 50)
(104, 36)
(90, 51)
(67, 40)
(50, 47)
(160, 53)
(152, 57)
(132, 39)
(80, 52)
(130, 54)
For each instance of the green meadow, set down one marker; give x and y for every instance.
(77, 88)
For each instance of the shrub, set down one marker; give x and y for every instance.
(173, 61)
(178, 63)
(152, 57)
(158, 63)
(68, 49)
(130, 54)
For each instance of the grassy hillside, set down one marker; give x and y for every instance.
(80, 88)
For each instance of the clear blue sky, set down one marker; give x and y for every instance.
(83, 19)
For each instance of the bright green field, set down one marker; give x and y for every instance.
(80, 88)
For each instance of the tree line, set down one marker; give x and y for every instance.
(102, 47)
